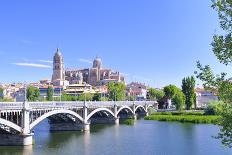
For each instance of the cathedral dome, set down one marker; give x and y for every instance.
(97, 63)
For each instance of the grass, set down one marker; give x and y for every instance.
(184, 117)
(128, 121)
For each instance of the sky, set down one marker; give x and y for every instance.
(151, 41)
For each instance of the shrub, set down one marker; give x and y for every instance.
(185, 118)
(214, 108)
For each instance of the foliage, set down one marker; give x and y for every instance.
(128, 121)
(211, 81)
(1, 93)
(188, 88)
(33, 93)
(225, 92)
(222, 48)
(96, 97)
(225, 123)
(85, 97)
(50, 94)
(198, 113)
(170, 91)
(214, 108)
(222, 44)
(154, 94)
(117, 91)
(66, 97)
(179, 100)
(185, 118)
(6, 100)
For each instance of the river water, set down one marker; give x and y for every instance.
(145, 137)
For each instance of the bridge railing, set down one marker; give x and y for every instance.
(72, 104)
(62, 104)
(11, 105)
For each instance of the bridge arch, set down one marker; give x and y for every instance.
(139, 106)
(54, 112)
(10, 124)
(125, 107)
(98, 110)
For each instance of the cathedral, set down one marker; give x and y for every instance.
(95, 76)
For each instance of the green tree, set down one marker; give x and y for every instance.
(225, 92)
(33, 93)
(225, 122)
(1, 93)
(188, 88)
(85, 97)
(222, 48)
(179, 100)
(170, 91)
(154, 94)
(50, 93)
(117, 91)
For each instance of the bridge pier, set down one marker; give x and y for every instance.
(16, 140)
(86, 127)
(116, 121)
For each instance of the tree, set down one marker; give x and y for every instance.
(170, 91)
(1, 93)
(33, 93)
(50, 93)
(225, 122)
(188, 88)
(179, 100)
(225, 92)
(85, 97)
(117, 91)
(222, 48)
(154, 94)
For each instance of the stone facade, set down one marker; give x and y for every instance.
(97, 75)
(58, 75)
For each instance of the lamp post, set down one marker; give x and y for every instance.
(60, 93)
(25, 92)
(85, 92)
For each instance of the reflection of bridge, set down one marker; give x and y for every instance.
(18, 119)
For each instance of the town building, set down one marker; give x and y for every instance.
(204, 97)
(95, 76)
(137, 90)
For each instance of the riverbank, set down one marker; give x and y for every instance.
(184, 117)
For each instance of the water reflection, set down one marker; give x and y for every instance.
(145, 137)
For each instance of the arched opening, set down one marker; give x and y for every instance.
(60, 120)
(101, 116)
(8, 127)
(125, 112)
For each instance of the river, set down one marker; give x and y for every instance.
(145, 137)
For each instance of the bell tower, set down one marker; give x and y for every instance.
(58, 67)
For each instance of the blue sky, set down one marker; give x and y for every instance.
(152, 41)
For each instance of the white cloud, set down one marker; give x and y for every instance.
(46, 61)
(32, 65)
(26, 41)
(85, 60)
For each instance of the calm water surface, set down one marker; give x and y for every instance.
(145, 137)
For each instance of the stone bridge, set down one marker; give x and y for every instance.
(18, 119)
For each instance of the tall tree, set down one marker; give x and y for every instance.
(117, 91)
(222, 48)
(33, 93)
(50, 93)
(179, 100)
(188, 88)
